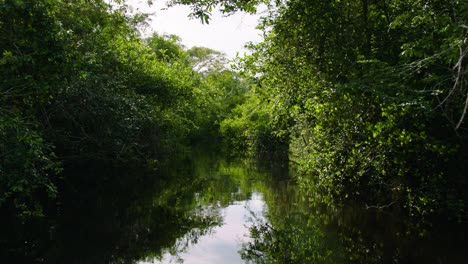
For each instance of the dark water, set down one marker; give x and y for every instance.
(206, 209)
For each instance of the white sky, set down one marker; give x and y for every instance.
(226, 34)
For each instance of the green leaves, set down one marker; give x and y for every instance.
(28, 167)
(78, 84)
(202, 9)
(359, 86)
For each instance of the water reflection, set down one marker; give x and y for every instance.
(112, 214)
(296, 231)
(223, 243)
(211, 210)
(231, 187)
(128, 216)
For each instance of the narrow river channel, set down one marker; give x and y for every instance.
(207, 209)
(263, 218)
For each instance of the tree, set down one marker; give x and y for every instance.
(166, 47)
(78, 85)
(202, 9)
(365, 117)
(207, 60)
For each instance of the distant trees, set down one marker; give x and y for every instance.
(166, 47)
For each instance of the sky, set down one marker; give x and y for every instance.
(226, 34)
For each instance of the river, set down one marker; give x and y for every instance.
(209, 209)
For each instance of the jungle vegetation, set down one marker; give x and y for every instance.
(367, 98)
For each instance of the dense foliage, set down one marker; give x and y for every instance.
(370, 96)
(79, 84)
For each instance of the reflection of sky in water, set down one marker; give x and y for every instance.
(222, 245)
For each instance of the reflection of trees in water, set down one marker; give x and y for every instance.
(123, 215)
(210, 214)
(318, 238)
(292, 237)
(120, 215)
(127, 214)
(294, 231)
(221, 183)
